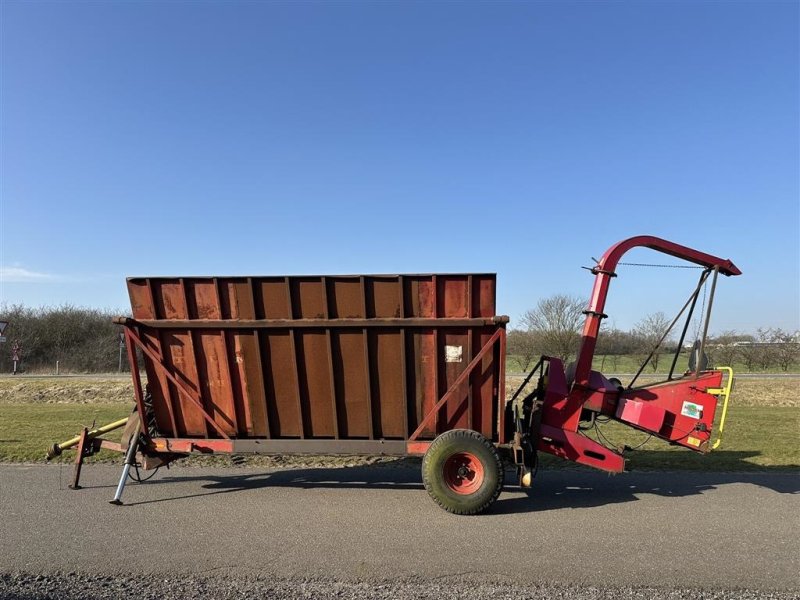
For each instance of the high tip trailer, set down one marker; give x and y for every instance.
(392, 365)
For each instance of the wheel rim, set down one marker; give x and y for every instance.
(463, 473)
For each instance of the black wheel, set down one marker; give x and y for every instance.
(462, 472)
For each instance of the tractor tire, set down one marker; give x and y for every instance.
(462, 472)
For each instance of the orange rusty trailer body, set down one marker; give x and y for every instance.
(350, 364)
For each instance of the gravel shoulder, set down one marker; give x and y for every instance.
(21, 586)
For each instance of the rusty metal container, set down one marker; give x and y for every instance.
(318, 362)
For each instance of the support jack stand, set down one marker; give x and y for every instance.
(130, 459)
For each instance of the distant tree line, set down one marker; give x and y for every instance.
(82, 340)
(553, 328)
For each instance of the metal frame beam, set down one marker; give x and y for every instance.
(308, 323)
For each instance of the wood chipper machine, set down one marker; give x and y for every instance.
(391, 365)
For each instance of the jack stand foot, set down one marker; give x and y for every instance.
(83, 446)
(75, 487)
(130, 459)
(116, 502)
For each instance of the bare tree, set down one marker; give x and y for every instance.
(614, 343)
(760, 352)
(786, 348)
(723, 348)
(556, 322)
(523, 346)
(648, 332)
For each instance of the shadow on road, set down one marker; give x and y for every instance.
(585, 490)
(383, 476)
(552, 489)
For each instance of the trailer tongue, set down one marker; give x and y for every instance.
(394, 365)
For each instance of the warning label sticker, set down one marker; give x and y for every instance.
(453, 353)
(690, 409)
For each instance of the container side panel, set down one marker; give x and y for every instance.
(141, 302)
(344, 299)
(351, 383)
(387, 385)
(179, 356)
(280, 384)
(234, 340)
(371, 382)
(427, 298)
(202, 299)
(316, 395)
(452, 297)
(212, 358)
(211, 361)
(308, 296)
(383, 297)
(420, 355)
(484, 383)
(453, 361)
(411, 296)
(421, 351)
(248, 363)
(272, 298)
(228, 300)
(483, 296)
(142, 308)
(247, 384)
(452, 301)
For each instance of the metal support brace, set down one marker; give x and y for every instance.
(130, 459)
(79, 454)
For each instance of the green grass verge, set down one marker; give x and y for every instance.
(28, 430)
(757, 438)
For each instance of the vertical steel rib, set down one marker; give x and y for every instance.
(436, 419)
(470, 409)
(367, 365)
(331, 373)
(293, 343)
(227, 364)
(258, 314)
(403, 366)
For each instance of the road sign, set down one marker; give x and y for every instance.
(2, 338)
(3, 325)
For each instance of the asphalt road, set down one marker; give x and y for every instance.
(377, 524)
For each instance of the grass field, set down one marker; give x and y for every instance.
(761, 434)
(629, 364)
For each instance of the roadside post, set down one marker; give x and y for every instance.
(16, 356)
(121, 349)
(3, 325)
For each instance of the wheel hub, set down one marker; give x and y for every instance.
(463, 473)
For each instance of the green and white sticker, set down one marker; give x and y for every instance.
(690, 409)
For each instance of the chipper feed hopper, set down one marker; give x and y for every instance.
(391, 365)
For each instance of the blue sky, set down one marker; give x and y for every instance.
(518, 138)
